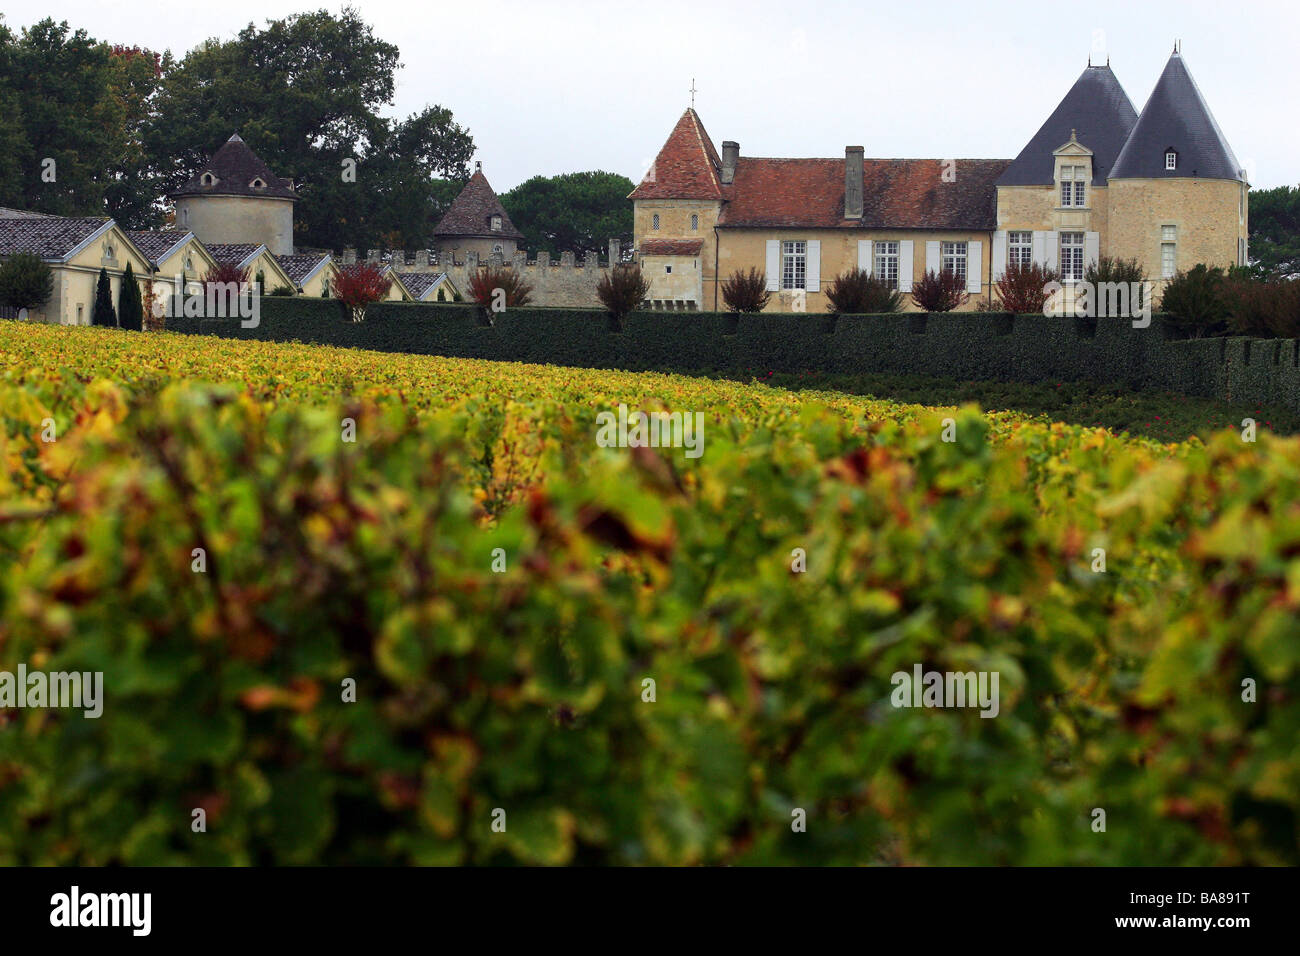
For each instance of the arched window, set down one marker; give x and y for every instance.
(695, 223)
(257, 184)
(209, 179)
(654, 223)
(497, 250)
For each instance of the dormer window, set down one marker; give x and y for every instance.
(496, 223)
(209, 179)
(1074, 181)
(258, 184)
(1171, 159)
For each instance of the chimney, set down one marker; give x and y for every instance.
(853, 182)
(730, 153)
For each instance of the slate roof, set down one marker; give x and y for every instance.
(687, 167)
(419, 283)
(470, 215)
(231, 253)
(896, 194)
(1103, 116)
(50, 237)
(7, 213)
(156, 244)
(299, 267)
(671, 247)
(235, 166)
(1177, 116)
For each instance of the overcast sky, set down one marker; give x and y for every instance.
(563, 85)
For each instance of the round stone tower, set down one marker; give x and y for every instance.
(236, 198)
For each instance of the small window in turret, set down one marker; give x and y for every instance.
(1171, 160)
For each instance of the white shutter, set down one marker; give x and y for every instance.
(864, 255)
(1091, 248)
(813, 282)
(999, 254)
(1049, 250)
(1038, 251)
(905, 266)
(932, 262)
(773, 265)
(974, 266)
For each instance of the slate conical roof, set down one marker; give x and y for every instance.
(471, 213)
(235, 168)
(1176, 117)
(1103, 116)
(686, 168)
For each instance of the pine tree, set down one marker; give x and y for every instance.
(130, 304)
(103, 312)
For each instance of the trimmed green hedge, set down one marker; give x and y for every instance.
(964, 345)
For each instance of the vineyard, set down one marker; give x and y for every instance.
(359, 607)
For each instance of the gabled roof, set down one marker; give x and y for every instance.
(50, 237)
(423, 284)
(687, 166)
(242, 255)
(1176, 116)
(158, 244)
(471, 213)
(235, 253)
(302, 267)
(896, 194)
(1102, 114)
(234, 168)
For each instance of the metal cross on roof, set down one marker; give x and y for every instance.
(693, 92)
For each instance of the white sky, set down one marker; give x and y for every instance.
(554, 86)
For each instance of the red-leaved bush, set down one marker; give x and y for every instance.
(939, 291)
(360, 285)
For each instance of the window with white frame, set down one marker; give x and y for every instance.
(1171, 160)
(496, 223)
(1071, 256)
(1074, 185)
(695, 223)
(1020, 248)
(794, 264)
(654, 221)
(1168, 251)
(952, 258)
(886, 265)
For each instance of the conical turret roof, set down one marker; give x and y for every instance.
(235, 170)
(1099, 110)
(1176, 117)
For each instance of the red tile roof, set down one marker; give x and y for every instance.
(686, 168)
(671, 247)
(897, 194)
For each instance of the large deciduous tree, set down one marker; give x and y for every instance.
(1275, 232)
(573, 212)
(305, 94)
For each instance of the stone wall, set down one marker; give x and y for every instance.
(562, 283)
